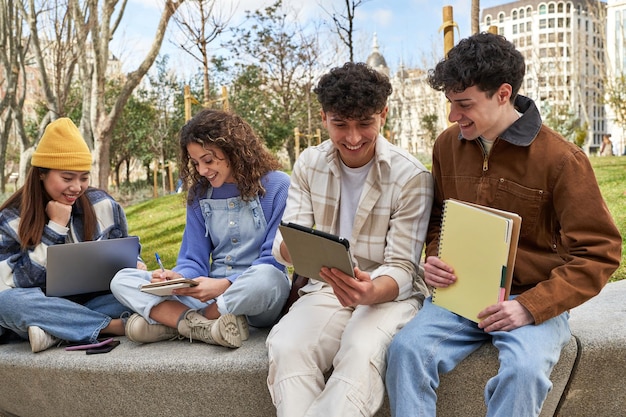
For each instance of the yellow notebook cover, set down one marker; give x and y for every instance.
(480, 243)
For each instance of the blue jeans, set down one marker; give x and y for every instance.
(60, 317)
(259, 293)
(436, 340)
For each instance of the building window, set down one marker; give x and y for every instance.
(521, 13)
(551, 8)
(514, 15)
(543, 24)
(501, 18)
(542, 9)
(515, 29)
(488, 20)
(559, 7)
(529, 26)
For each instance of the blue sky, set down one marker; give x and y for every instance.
(407, 30)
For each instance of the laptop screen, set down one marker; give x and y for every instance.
(87, 267)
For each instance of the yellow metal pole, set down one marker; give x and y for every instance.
(296, 135)
(448, 29)
(187, 102)
(155, 190)
(225, 105)
(448, 37)
(170, 176)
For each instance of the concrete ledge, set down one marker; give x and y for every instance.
(598, 385)
(183, 379)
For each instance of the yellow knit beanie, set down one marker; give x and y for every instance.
(62, 147)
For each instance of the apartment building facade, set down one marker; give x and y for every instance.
(564, 46)
(616, 66)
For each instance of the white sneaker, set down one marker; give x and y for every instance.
(40, 340)
(138, 330)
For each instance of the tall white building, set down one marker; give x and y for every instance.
(563, 43)
(616, 64)
(417, 113)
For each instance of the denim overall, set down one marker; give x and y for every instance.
(237, 230)
(238, 244)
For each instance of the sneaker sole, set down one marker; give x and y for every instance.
(244, 330)
(225, 331)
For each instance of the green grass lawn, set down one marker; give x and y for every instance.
(160, 222)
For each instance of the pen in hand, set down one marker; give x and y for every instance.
(158, 259)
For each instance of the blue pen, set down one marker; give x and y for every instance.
(158, 259)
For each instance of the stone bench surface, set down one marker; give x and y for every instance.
(194, 379)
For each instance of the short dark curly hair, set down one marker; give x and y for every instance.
(484, 60)
(353, 91)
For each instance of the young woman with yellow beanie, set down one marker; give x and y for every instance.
(55, 206)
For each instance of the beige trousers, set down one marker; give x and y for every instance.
(319, 335)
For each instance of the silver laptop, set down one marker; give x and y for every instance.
(88, 267)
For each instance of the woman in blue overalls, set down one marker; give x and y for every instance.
(236, 198)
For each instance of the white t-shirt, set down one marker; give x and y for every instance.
(352, 182)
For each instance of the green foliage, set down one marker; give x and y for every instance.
(564, 120)
(251, 100)
(580, 134)
(429, 124)
(159, 223)
(131, 133)
(274, 64)
(616, 98)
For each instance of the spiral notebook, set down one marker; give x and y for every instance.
(480, 243)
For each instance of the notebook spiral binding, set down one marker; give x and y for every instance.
(443, 223)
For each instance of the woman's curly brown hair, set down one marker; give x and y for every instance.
(248, 157)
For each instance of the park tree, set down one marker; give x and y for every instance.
(162, 90)
(102, 20)
(130, 137)
(42, 34)
(274, 59)
(64, 35)
(201, 22)
(429, 123)
(13, 47)
(563, 119)
(616, 98)
(343, 21)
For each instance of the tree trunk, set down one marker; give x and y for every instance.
(103, 123)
